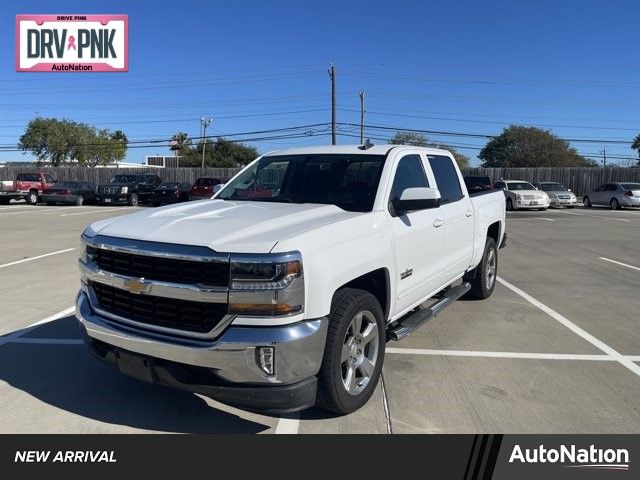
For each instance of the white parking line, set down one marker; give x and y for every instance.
(93, 211)
(619, 263)
(544, 218)
(36, 258)
(595, 216)
(573, 327)
(27, 329)
(33, 210)
(471, 353)
(288, 425)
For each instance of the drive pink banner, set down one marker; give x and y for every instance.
(72, 43)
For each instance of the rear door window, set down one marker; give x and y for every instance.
(446, 177)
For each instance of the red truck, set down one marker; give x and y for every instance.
(28, 186)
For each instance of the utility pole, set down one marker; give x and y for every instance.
(332, 76)
(205, 122)
(362, 110)
(604, 157)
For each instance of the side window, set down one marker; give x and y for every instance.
(446, 178)
(49, 179)
(409, 174)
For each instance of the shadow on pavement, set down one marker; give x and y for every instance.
(69, 378)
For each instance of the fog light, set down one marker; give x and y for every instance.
(266, 359)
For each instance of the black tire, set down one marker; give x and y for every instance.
(509, 205)
(570, 206)
(615, 204)
(132, 201)
(586, 202)
(32, 197)
(79, 201)
(482, 284)
(51, 204)
(333, 394)
(4, 201)
(541, 209)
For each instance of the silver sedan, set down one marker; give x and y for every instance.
(616, 195)
(559, 195)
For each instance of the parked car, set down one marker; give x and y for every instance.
(282, 302)
(204, 187)
(522, 195)
(477, 183)
(616, 195)
(559, 195)
(128, 188)
(27, 186)
(171, 192)
(76, 193)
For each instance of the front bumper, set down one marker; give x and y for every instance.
(108, 198)
(526, 204)
(225, 369)
(562, 202)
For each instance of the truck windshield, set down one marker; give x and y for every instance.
(347, 181)
(124, 179)
(520, 186)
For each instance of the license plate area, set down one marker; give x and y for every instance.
(107, 200)
(135, 366)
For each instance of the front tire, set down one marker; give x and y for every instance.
(132, 201)
(483, 277)
(354, 352)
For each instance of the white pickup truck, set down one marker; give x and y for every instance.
(281, 292)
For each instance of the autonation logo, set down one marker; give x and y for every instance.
(574, 457)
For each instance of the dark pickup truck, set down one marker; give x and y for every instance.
(128, 188)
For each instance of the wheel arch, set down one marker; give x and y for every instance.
(377, 283)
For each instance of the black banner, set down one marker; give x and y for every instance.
(468, 457)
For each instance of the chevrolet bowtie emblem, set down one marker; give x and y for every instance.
(137, 285)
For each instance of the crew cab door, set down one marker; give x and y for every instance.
(419, 238)
(458, 213)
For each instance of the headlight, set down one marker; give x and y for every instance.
(124, 190)
(266, 285)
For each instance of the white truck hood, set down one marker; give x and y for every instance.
(224, 226)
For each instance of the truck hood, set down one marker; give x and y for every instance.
(224, 226)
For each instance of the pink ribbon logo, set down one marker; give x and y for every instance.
(72, 43)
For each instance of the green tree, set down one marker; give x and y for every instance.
(636, 146)
(419, 140)
(60, 141)
(519, 146)
(220, 153)
(180, 142)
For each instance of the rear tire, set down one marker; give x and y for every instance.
(586, 202)
(509, 205)
(483, 277)
(615, 205)
(31, 197)
(132, 201)
(354, 352)
(4, 201)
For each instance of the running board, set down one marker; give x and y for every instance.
(410, 324)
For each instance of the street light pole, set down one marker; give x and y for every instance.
(205, 122)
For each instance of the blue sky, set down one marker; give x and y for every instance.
(463, 67)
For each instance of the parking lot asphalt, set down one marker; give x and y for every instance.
(556, 349)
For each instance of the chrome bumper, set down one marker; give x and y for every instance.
(298, 348)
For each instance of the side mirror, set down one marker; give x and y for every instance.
(218, 187)
(417, 198)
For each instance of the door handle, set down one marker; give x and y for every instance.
(438, 222)
(468, 213)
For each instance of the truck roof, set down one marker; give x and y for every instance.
(351, 150)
